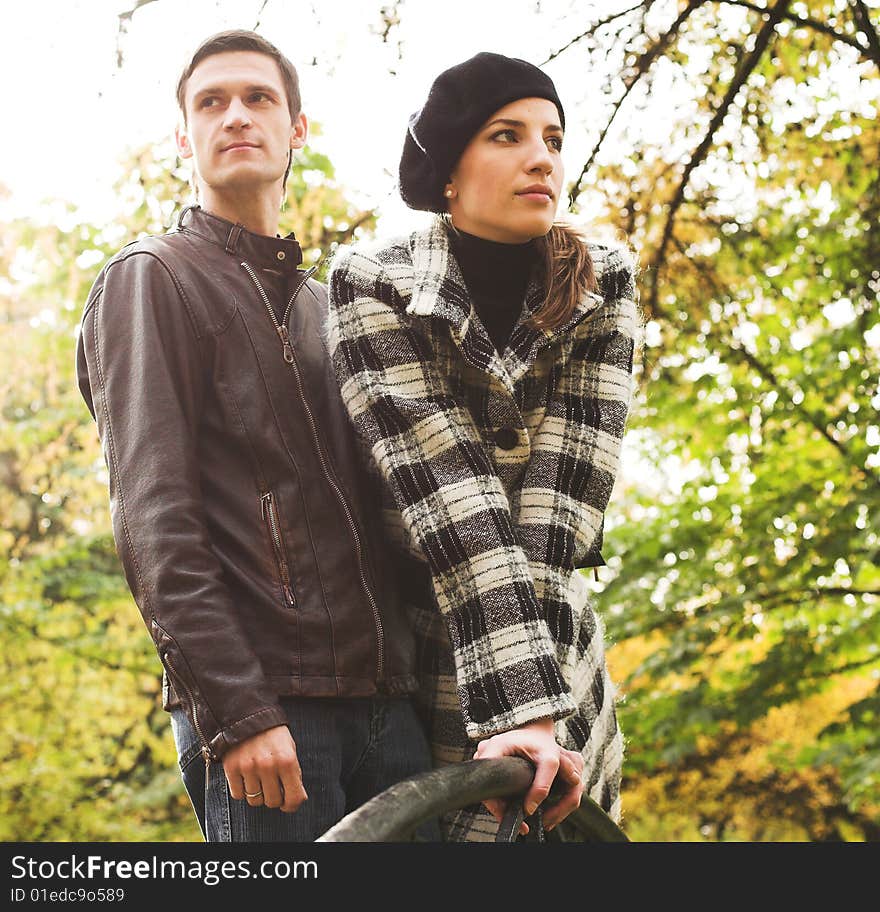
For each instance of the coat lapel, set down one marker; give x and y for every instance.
(438, 289)
(439, 292)
(527, 342)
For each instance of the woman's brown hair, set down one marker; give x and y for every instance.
(569, 275)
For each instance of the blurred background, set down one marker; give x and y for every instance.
(734, 144)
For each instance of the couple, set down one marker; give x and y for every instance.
(352, 517)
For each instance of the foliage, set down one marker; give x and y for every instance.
(747, 578)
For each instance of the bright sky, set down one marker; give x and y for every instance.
(71, 111)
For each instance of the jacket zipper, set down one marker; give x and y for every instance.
(270, 516)
(207, 753)
(280, 328)
(287, 352)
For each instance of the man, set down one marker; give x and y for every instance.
(239, 509)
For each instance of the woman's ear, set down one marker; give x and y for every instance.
(450, 191)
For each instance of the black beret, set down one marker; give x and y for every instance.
(459, 102)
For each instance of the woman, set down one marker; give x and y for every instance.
(486, 363)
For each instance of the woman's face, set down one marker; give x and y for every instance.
(506, 185)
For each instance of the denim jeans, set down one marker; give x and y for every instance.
(349, 750)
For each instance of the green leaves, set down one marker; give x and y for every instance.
(748, 586)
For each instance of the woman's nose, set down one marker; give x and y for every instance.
(540, 158)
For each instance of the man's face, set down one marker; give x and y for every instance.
(238, 128)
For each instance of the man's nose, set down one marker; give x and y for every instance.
(237, 115)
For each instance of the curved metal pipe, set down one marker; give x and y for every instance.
(394, 814)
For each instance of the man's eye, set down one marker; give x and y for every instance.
(259, 96)
(208, 102)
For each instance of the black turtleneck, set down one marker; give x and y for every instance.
(496, 275)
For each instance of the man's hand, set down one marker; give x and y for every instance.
(536, 742)
(264, 770)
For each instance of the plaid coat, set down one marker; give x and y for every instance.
(497, 470)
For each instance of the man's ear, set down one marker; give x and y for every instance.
(182, 139)
(299, 131)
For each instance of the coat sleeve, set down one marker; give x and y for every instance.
(578, 441)
(140, 366)
(453, 505)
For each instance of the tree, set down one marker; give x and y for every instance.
(747, 580)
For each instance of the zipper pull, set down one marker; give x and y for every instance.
(264, 504)
(285, 339)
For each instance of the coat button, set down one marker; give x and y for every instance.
(506, 438)
(281, 254)
(479, 710)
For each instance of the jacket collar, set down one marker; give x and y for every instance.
(280, 254)
(439, 291)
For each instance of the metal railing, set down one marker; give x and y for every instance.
(397, 812)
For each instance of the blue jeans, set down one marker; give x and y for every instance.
(349, 750)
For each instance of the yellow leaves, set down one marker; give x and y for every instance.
(800, 723)
(743, 785)
(625, 657)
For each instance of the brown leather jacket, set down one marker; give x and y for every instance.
(241, 513)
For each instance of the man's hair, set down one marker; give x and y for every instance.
(243, 40)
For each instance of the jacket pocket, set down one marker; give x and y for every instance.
(269, 512)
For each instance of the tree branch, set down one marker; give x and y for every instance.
(814, 420)
(639, 69)
(793, 596)
(390, 19)
(816, 591)
(745, 70)
(593, 28)
(64, 644)
(825, 673)
(863, 18)
(260, 14)
(124, 20)
(767, 373)
(806, 21)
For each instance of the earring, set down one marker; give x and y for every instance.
(447, 192)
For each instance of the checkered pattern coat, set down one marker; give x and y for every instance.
(511, 635)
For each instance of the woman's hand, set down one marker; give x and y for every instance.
(535, 741)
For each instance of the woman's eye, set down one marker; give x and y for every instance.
(505, 135)
(555, 143)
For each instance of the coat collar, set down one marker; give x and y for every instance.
(439, 292)
(438, 288)
(281, 254)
